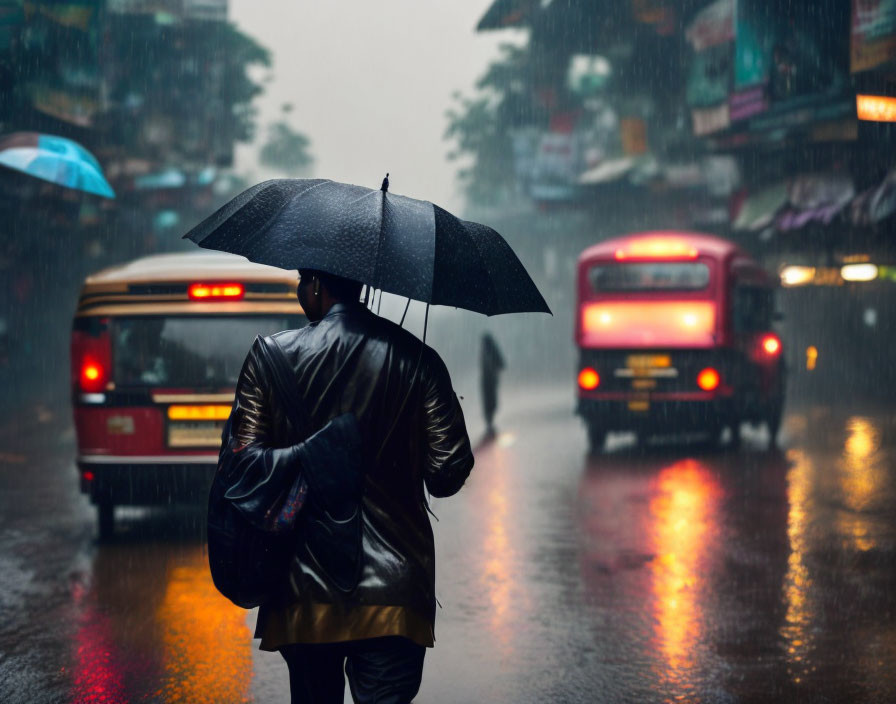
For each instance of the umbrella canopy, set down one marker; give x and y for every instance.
(400, 245)
(55, 159)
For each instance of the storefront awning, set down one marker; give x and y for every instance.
(606, 171)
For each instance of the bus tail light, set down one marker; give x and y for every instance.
(708, 379)
(93, 375)
(589, 379)
(91, 357)
(771, 345)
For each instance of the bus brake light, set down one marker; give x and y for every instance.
(91, 357)
(93, 375)
(589, 379)
(657, 248)
(771, 345)
(708, 379)
(216, 292)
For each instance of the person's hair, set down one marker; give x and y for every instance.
(341, 288)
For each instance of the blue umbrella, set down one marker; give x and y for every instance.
(55, 159)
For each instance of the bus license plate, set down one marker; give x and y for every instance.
(648, 361)
(196, 434)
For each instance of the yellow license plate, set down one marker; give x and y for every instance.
(648, 361)
(195, 434)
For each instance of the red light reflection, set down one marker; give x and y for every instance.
(98, 674)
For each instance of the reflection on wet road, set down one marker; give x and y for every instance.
(500, 547)
(673, 573)
(151, 622)
(795, 630)
(684, 535)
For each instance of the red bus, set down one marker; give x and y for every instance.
(675, 333)
(157, 346)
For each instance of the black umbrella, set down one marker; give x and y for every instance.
(404, 246)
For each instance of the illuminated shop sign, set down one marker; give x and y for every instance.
(876, 108)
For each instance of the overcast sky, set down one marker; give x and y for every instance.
(371, 81)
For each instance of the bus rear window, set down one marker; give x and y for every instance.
(649, 276)
(186, 351)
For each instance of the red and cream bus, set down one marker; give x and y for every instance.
(675, 333)
(157, 347)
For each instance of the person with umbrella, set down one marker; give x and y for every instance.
(54, 159)
(491, 363)
(376, 623)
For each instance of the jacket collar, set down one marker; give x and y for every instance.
(340, 308)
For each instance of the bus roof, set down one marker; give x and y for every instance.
(188, 267)
(705, 244)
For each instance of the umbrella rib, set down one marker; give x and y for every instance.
(491, 283)
(363, 196)
(379, 242)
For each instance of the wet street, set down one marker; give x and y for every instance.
(668, 572)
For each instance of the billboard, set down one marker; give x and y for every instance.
(872, 34)
(789, 66)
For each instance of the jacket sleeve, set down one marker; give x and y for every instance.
(259, 476)
(252, 411)
(448, 457)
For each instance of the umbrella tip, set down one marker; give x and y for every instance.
(385, 187)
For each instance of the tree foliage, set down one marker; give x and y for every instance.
(192, 76)
(480, 126)
(286, 150)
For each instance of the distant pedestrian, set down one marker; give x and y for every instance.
(490, 363)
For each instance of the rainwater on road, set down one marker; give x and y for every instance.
(665, 572)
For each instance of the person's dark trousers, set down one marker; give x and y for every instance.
(382, 670)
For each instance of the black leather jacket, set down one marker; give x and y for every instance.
(354, 361)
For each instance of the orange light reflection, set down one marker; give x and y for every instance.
(152, 627)
(206, 640)
(862, 473)
(796, 631)
(685, 526)
(500, 576)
